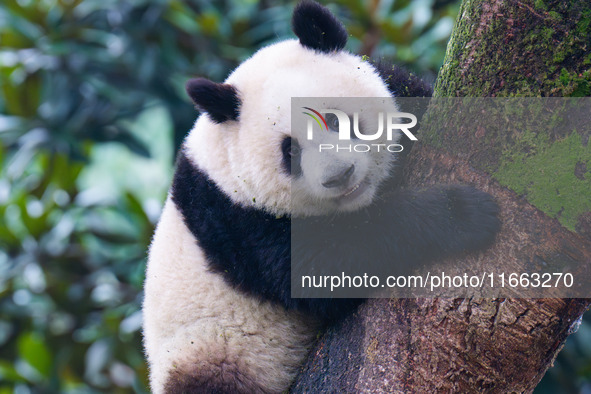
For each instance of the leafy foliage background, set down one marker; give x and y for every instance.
(92, 109)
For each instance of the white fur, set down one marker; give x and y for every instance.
(192, 318)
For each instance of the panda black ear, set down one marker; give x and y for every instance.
(317, 28)
(219, 100)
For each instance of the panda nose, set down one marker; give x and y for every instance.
(340, 179)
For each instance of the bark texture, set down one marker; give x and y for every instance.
(498, 48)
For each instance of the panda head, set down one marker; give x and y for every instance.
(244, 139)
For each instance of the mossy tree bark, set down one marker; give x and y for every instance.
(498, 48)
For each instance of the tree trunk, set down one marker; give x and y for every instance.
(498, 48)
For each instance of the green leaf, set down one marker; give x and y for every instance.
(8, 373)
(33, 350)
(132, 143)
(114, 238)
(136, 207)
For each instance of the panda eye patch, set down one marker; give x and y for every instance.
(332, 122)
(291, 156)
(294, 150)
(291, 147)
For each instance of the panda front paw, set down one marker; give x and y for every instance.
(475, 215)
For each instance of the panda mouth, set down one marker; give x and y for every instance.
(353, 189)
(353, 192)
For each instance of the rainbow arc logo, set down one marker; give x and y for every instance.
(316, 118)
(388, 122)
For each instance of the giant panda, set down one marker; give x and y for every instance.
(218, 315)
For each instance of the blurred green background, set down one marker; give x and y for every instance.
(92, 109)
